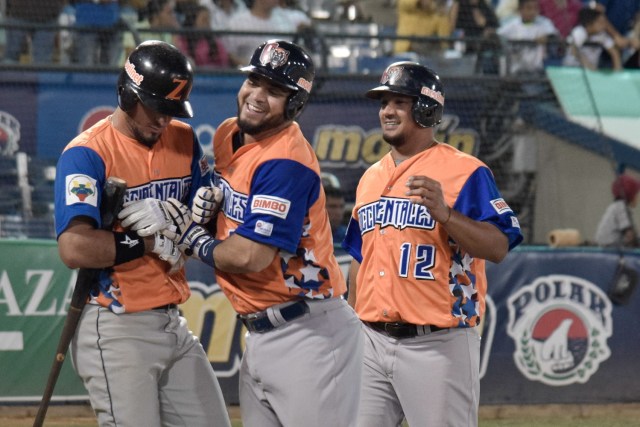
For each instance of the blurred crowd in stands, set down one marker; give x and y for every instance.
(601, 34)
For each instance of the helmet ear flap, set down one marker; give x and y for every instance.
(295, 104)
(426, 115)
(127, 98)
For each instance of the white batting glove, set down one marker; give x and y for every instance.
(146, 216)
(206, 204)
(169, 252)
(186, 233)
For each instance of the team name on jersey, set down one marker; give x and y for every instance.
(234, 203)
(394, 212)
(177, 188)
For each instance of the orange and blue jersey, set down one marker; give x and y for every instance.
(411, 270)
(273, 195)
(173, 167)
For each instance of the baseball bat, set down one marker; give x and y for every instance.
(112, 199)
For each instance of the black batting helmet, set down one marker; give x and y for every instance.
(419, 82)
(158, 75)
(288, 65)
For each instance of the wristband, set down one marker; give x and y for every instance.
(203, 248)
(129, 246)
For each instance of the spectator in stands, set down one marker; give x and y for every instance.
(263, 18)
(506, 10)
(621, 19)
(527, 35)
(66, 18)
(202, 48)
(616, 227)
(349, 10)
(563, 14)
(159, 23)
(476, 21)
(587, 41)
(221, 11)
(98, 39)
(31, 44)
(632, 57)
(475, 18)
(297, 16)
(422, 18)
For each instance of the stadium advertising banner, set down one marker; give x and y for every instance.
(550, 334)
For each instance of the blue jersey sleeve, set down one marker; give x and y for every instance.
(80, 177)
(352, 242)
(282, 191)
(479, 199)
(200, 170)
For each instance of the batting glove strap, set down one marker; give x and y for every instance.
(203, 249)
(200, 243)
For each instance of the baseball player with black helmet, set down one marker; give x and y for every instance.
(425, 219)
(273, 253)
(138, 360)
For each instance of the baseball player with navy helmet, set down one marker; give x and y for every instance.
(273, 253)
(425, 219)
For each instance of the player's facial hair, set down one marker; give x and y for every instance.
(142, 139)
(394, 141)
(256, 129)
(148, 141)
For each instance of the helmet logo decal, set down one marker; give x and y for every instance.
(272, 54)
(390, 73)
(132, 73)
(178, 93)
(305, 84)
(433, 94)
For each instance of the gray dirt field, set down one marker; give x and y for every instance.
(612, 415)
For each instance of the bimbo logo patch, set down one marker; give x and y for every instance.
(273, 55)
(132, 73)
(500, 206)
(560, 325)
(270, 205)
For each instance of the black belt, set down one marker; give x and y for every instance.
(166, 307)
(403, 330)
(260, 322)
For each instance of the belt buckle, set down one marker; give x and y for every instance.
(252, 316)
(399, 330)
(256, 322)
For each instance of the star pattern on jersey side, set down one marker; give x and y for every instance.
(302, 271)
(462, 286)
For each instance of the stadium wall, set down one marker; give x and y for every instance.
(551, 334)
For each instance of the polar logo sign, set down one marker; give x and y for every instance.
(560, 325)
